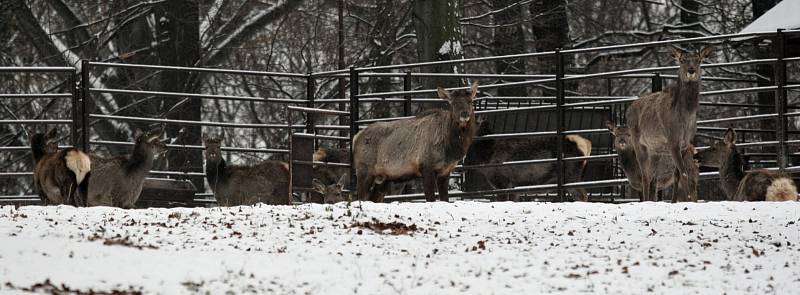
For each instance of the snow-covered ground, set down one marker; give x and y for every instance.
(433, 248)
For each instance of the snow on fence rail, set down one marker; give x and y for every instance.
(406, 96)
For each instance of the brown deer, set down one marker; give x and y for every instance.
(516, 149)
(234, 185)
(118, 181)
(664, 123)
(758, 185)
(429, 145)
(327, 176)
(59, 177)
(332, 193)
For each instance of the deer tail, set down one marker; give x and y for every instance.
(782, 189)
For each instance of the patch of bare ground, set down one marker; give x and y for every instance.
(48, 287)
(391, 228)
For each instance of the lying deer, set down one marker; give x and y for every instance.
(327, 176)
(332, 193)
(118, 181)
(429, 145)
(664, 123)
(517, 149)
(233, 185)
(758, 185)
(59, 177)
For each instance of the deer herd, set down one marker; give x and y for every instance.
(654, 149)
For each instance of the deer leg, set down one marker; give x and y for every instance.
(681, 173)
(378, 192)
(643, 158)
(693, 174)
(363, 184)
(429, 184)
(442, 184)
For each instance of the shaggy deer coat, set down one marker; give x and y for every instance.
(517, 149)
(118, 181)
(664, 123)
(234, 185)
(428, 146)
(59, 177)
(758, 185)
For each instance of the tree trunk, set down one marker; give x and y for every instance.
(179, 24)
(550, 32)
(765, 98)
(438, 38)
(509, 38)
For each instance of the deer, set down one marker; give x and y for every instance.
(488, 151)
(757, 185)
(118, 181)
(332, 193)
(664, 124)
(235, 185)
(430, 145)
(59, 177)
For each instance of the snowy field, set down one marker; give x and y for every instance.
(437, 248)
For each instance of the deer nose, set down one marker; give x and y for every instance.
(691, 71)
(464, 114)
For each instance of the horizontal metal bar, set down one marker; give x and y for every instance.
(756, 144)
(424, 91)
(734, 119)
(738, 90)
(14, 174)
(667, 42)
(331, 127)
(192, 69)
(791, 86)
(318, 111)
(25, 148)
(36, 95)
(318, 163)
(514, 135)
(197, 147)
(791, 59)
(546, 107)
(600, 103)
(192, 123)
(36, 69)
(41, 121)
(196, 95)
(318, 136)
(368, 121)
(178, 173)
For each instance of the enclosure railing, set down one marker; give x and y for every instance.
(559, 102)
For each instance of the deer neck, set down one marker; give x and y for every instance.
(628, 160)
(38, 149)
(731, 173)
(215, 172)
(141, 160)
(686, 95)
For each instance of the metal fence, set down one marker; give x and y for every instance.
(558, 100)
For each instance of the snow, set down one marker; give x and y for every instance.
(782, 16)
(472, 247)
(451, 47)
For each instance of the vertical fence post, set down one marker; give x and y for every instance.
(311, 89)
(353, 123)
(73, 87)
(560, 122)
(85, 96)
(780, 97)
(656, 84)
(407, 97)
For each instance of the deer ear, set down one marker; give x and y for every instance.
(676, 53)
(137, 133)
(474, 89)
(611, 127)
(443, 94)
(730, 136)
(318, 186)
(706, 52)
(52, 133)
(342, 181)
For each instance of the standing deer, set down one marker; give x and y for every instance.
(59, 177)
(118, 181)
(664, 123)
(429, 145)
(234, 185)
(758, 185)
(517, 149)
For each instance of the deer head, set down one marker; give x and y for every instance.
(689, 62)
(213, 147)
(461, 104)
(622, 136)
(51, 142)
(719, 151)
(331, 193)
(150, 141)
